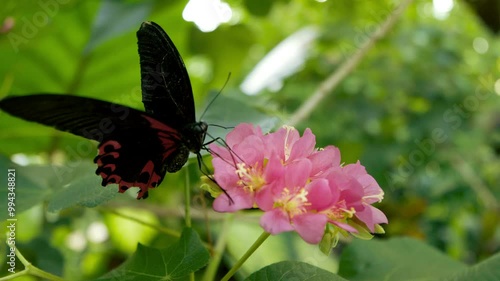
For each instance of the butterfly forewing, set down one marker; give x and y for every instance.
(166, 89)
(86, 117)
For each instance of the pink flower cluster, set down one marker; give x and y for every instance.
(299, 187)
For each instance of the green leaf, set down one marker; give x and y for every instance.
(31, 186)
(173, 263)
(115, 18)
(84, 189)
(229, 112)
(46, 257)
(258, 8)
(66, 186)
(292, 270)
(484, 271)
(395, 259)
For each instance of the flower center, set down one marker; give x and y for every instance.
(251, 178)
(340, 212)
(293, 202)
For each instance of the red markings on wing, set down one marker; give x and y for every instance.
(153, 180)
(132, 160)
(168, 136)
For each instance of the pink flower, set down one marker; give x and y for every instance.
(372, 193)
(297, 186)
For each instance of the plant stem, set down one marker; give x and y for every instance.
(219, 250)
(30, 269)
(167, 231)
(45, 275)
(474, 181)
(187, 208)
(187, 194)
(249, 252)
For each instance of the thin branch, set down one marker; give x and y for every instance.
(475, 182)
(347, 67)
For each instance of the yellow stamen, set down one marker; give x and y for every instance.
(250, 177)
(293, 203)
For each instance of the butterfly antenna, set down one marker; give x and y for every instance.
(220, 126)
(212, 101)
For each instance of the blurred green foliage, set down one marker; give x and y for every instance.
(421, 112)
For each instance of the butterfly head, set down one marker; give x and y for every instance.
(194, 136)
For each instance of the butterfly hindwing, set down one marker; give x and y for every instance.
(135, 149)
(140, 158)
(166, 89)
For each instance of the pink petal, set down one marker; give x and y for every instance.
(320, 195)
(310, 227)
(340, 181)
(265, 198)
(353, 200)
(275, 144)
(275, 222)
(224, 174)
(325, 159)
(239, 200)
(250, 151)
(350, 190)
(291, 136)
(371, 216)
(240, 132)
(297, 173)
(304, 146)
(268, 194)
(371, 188)
(219, 151)
(355, 170)
(274, 169)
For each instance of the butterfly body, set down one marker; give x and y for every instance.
(135, 148)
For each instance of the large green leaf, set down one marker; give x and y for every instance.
(395, 259)
(84, 189)
(173, 263)
(115, 18)
(487, 270)
(229, 112)
(292, 270)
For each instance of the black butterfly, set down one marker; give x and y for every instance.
(136, 148)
